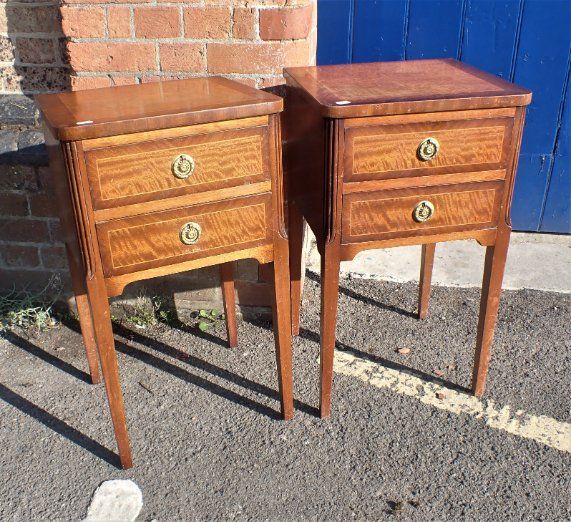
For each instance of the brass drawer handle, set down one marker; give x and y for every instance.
(423, 211)
(190, 233)
(182, 166)
(428, 149)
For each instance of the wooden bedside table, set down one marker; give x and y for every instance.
(400, 153)
(162, 178)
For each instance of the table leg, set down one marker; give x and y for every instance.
(330, 263)
(491, 289)
(85, 319)
(426, 264)
(295, 233)
(282, 326)
(229, 299)
(98, 300)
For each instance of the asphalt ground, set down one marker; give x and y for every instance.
(208, 444)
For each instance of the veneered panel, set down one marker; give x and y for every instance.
(142, 172)
(369, 216)
(152, 240)
(387, 151)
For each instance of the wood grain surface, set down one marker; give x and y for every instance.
(135, 173)
(388, 151)
(152, 240)
(95, 113)
(376, 215)
(369, 89)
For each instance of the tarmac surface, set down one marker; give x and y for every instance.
(208, 444)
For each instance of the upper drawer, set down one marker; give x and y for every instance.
(153, 169)
(419, 145)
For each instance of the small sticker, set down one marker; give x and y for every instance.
(83, 122)
(343, 102)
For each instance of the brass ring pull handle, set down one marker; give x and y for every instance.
(182, 166)
(190, 233)
(428, 149)
(423, 211)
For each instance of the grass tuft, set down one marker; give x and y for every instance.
(26, 309)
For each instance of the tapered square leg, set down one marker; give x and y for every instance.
(86, 325)
(330, 263)
(106, 345)
(491, 289)
(85, 318)
(282, 327)
(229, 299)
(426, 264)
(295, 233)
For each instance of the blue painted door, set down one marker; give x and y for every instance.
(525, 41)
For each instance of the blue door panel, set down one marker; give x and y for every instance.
(525, 41)
(541, 66)
(490, 30)
(529, 192)
(433, 29)
(557, 210)
(335, 18)
(379, 30)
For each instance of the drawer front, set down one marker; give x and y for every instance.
(403, 213)
(426, 147)
(163, 238)
(151, 170)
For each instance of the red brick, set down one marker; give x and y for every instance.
(34, 279)
(150, 78)
(46, 179)
(99, 56)
(20, 256)
(24, 230)
(123, 80)
(18, 177)
(244, 23)
(270, 81)
(56, 234)
(254, 294)
(79, 83)
(53, 257)
(207, 22)
(36, 50)
(76, 2)
(262, 58)
(13, 205)
(119, 22)
(250, 82)
(42, 205)
(285, 24)
(82, 23)
(182, 57)
(157, 22)
(31, 18)
(265, 273)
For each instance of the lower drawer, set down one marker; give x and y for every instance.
(164, 238)
(370, 216)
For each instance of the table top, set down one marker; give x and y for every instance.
(95, 113)
(367, 89)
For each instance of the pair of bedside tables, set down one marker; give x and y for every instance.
(162, 178)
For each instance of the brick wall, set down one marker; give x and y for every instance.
(31, 48)
(117, 43)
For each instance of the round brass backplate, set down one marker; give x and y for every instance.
(183, 166)
(190, 233)
(423, 211)
(428, 149)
